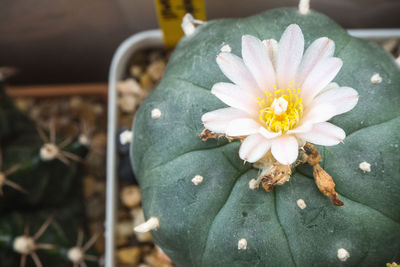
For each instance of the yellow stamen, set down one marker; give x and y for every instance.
(284, 119)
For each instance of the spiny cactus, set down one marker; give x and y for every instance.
(196, 194)
(38, 177)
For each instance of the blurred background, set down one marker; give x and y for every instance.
(70, 41)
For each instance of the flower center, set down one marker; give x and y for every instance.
(282, 110)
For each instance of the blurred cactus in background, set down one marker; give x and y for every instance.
(41, 203)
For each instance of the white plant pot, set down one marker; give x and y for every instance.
(139, 41)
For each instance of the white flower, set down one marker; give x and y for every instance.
(279, 97)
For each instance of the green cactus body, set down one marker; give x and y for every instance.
(47, 183)
(11, 120)
(201, 225)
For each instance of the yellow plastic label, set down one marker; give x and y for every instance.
(170, 14)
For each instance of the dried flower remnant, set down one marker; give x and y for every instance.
(280, 99)
(207, 134)
(278, 174)
(323, 180)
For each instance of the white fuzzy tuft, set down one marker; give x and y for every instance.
(343, 254)
(304, 6)
(24, 244)
(376, 78)
(151, 224)
(198, 179)
(83, 140)
(156, 113)
(48, 152)
(242, 244)
(125, 137)
(76, 255)
(226, 48)
(365, 166)
(301, 203)
(188, 24)
(253, 184)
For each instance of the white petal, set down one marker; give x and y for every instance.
(254, 147)
(272, 50)
(302, 128)
(236, 97)
(320, 49)
(343, 99)
(218, 120)
(267, 134)
(321, 76)
(290, 52)
(330, 86)
(325, 134)
(233, 68)
(256, 59)
(318, 113)
(242, 127)
(285, 149)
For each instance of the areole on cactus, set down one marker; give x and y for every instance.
(200, 198)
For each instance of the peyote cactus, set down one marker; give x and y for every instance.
(37, 179)
(196, 194)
